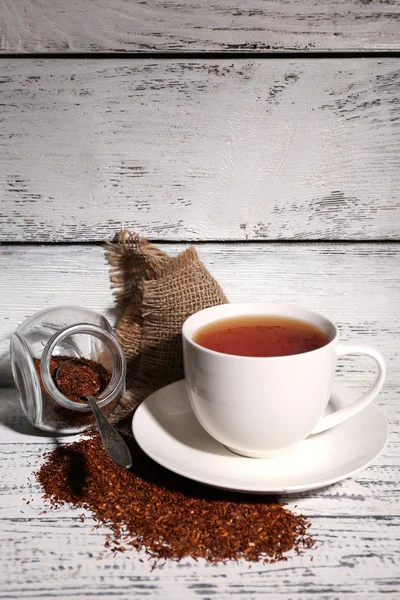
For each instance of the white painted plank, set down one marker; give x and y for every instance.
(56, 558)
(199, 150)
(357, 285)
(156, 25)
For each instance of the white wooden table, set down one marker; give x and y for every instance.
(281, 165)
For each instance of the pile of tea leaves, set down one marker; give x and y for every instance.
(168, 516)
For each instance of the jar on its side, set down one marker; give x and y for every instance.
(67, 332)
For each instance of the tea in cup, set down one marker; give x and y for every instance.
(259, 376)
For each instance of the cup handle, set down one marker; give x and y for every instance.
(345, 413)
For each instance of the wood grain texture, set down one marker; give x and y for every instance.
(199, 149)
(355, 285)
(57, 558)
(160, 25)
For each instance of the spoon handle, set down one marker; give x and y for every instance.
(113, 443)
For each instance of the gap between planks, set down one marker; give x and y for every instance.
(284, 54)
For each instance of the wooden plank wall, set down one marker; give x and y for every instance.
(200, 149)
(182, 25)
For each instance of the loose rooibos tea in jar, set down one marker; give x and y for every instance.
(50, 338)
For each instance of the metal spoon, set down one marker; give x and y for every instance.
(113, 443)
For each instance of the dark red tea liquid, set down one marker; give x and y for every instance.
(255, 335)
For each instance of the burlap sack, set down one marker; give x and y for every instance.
(155, 294)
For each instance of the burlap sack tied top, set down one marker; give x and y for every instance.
(155, 294)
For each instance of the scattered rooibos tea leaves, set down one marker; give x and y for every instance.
(168, 516)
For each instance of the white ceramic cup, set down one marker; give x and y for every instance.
(262, 406)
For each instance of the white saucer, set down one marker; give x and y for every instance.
(167, 430)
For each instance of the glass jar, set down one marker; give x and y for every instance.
(68, 332)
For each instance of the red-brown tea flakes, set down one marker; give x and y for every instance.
(168, 516)
(76, 382)
(79, 380)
